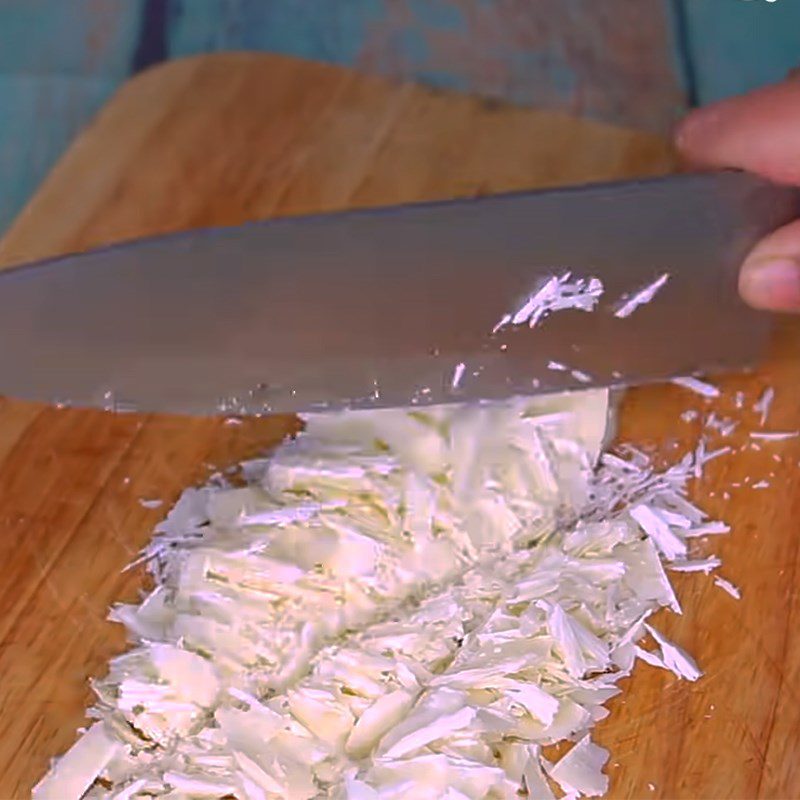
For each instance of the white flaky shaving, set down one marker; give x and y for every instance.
(705, 565)
(763, 405)
(76, 771)
(703, 456)
(697, 386)
(722, 425)
(676, 659)
(708, 529)
(650, 657)
(579, 772)
(458, 374)
(397, 604)
(558, 293)
(154, 503)
(668, 541)
(628, 305)
(581, 377)
(774, 436)
(728, 587)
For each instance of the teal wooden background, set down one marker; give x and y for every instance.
(634, 62)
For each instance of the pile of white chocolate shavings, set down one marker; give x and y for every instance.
(397, 604)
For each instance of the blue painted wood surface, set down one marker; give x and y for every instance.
(737, 45)
(634, 62)
(59, 62)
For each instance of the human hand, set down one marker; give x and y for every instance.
(758, 132)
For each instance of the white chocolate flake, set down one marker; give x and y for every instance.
(580, 771)
(557, 293)
(582, 377)
(728, 587)
(77, 770)
(627, 305)
(154, 503)
(696, 385)
(676, 659)
(458, 374)
(557, 366)
(774, 436)
(705, 565)
(763, 405)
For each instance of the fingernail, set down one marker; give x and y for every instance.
(772, 283)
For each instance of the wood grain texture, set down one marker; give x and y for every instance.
(279, 136)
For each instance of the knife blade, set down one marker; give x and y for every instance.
(396, 306)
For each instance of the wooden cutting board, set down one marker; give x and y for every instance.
(224, 139)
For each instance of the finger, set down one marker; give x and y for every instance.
(759, 132)
(770, 277)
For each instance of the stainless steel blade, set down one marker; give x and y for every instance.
(377, 308)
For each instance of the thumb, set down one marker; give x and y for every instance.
(770, 276)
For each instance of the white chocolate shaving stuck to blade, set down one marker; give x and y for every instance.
(557, 293)
(628, 305)
(697, 386)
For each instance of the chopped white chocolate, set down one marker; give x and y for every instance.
(628, 305)
(774, 436)
(154, 503)
(580, 771)
(582, 377)
(669, 543)
(728, 587)
(705, 565)
(77, 770)
(557, 293)
(697, 386)
(763, 405)
(722, 425)
(675, 658)
(708, 529)
(458, 374)
(398, 603)
(649, 657)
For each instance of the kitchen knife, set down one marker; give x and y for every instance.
(396, 306)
